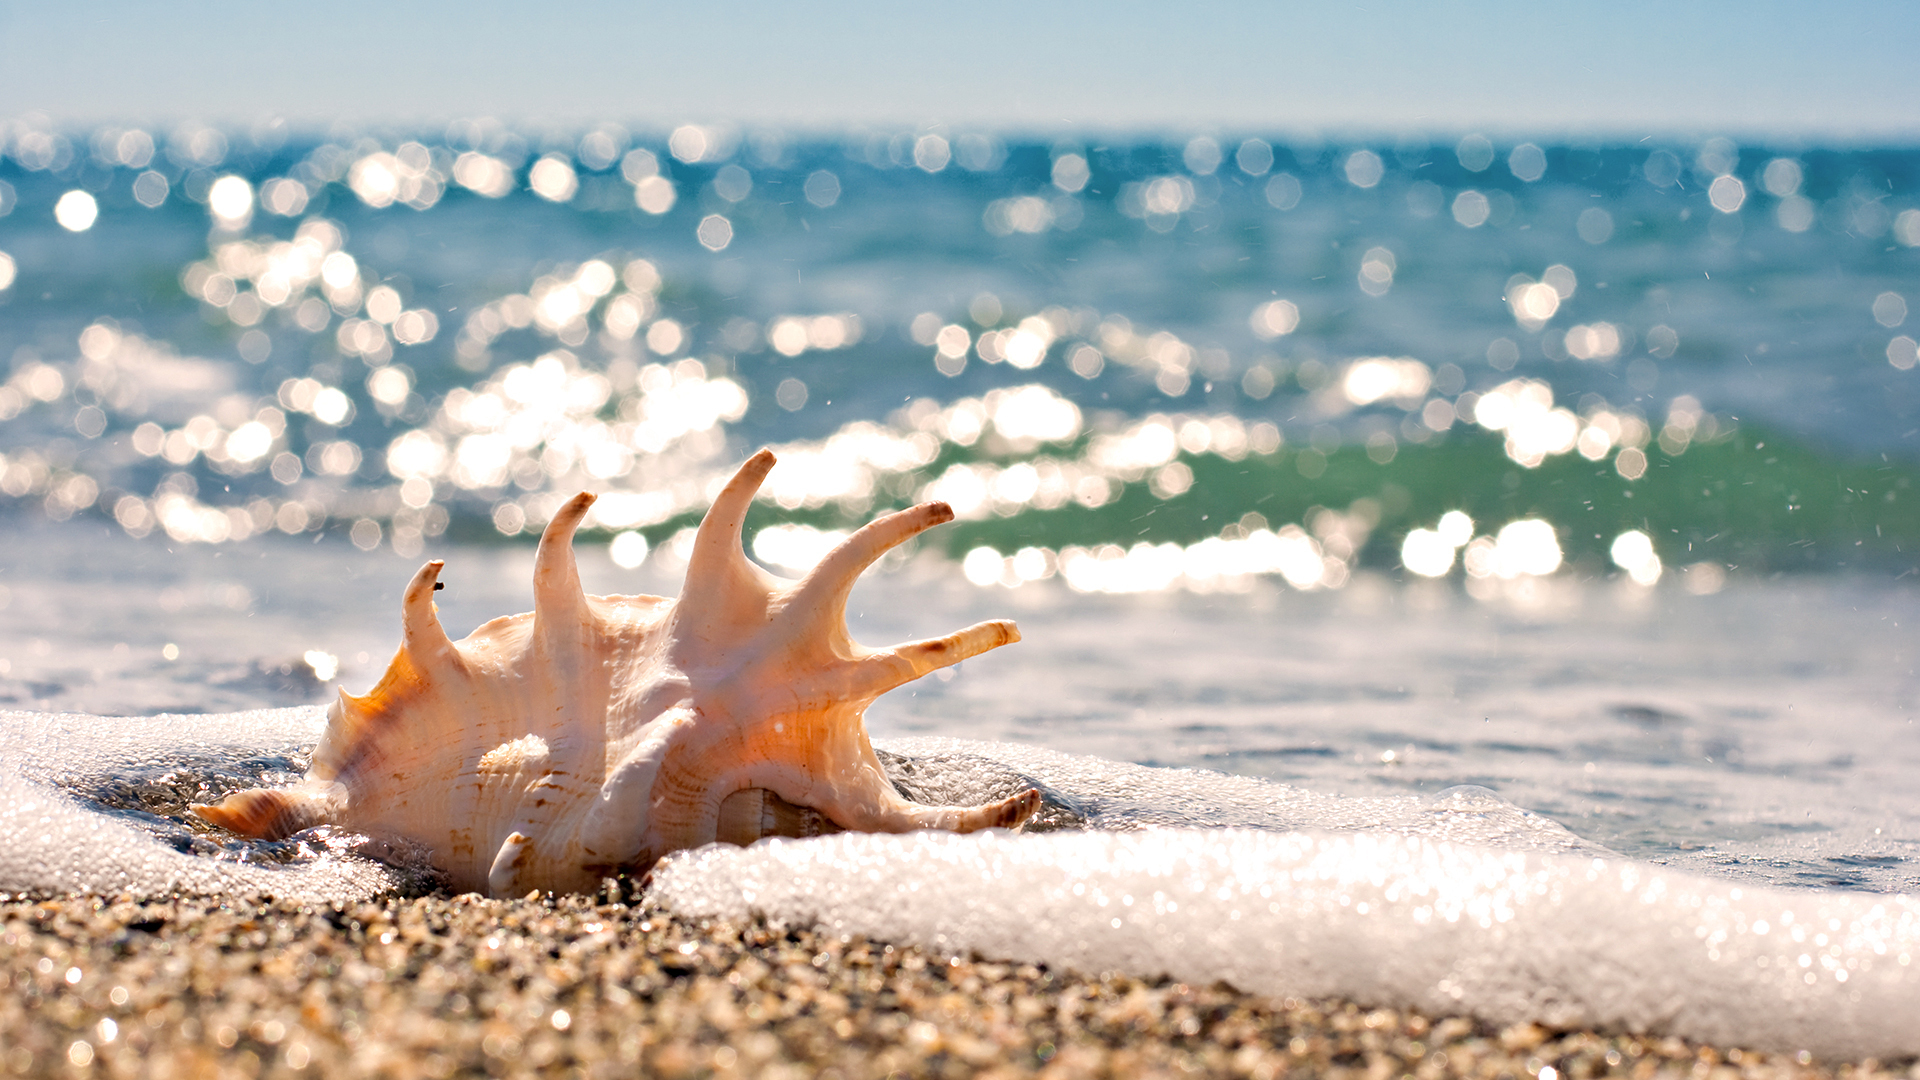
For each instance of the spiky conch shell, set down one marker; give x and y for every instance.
(596, 734)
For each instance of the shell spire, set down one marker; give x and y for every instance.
(425, 638)
(718, 571)
(558, 599)
(822, 594)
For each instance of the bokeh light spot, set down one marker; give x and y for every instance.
(1283, 191)
(231, 200)
(1633, 552)
(1202, 156)
(1377, 268)
(732, 183)
(1527, 162)
(285, 197)
(1427, 553)
(1662, 169)
(654, 194)
(1889, 309)
(627, 550)
(1781, 178)
(1595, 225)
(1364, 168)
(1906, 227)
(553, 179)
(1255, 157)
(150, 189)
(688, 143)
(1070, 173)
(76, 211)
(931, 153)
(1475, 153)
(822, 189)
(483, 175)
(1902, 352)
(1470, 208)
(1727, 194)
(715, 232)
(1275, 318)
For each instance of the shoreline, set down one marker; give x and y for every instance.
(575, 986)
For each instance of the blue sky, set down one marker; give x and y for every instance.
(1624, 68)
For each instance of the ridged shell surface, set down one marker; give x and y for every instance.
(595, 734)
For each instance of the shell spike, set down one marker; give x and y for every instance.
(888, 668)
(718, 564)
(1009, 813)
(557, 595)
(349, 724)
(426, 639)
(823, 594)
(274, 813)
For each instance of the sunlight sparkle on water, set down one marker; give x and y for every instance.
(553, 179)
(231, 201)
(482, 174)
(1471, 209)
(689, 143)
(627, 549)
(1727, 194)
(1535, 429)
(1381, 378)
(715, 232)
(822, 189)
(1274, 319)
(1070, 173)
(1527, 162)
(1364, 168)
(795, 548)
(603, 375)
(1521, 548)
(1429, 552)
(76, 211)
(1633, 552)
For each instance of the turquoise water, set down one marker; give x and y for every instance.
(1317, 436)
(398, 336)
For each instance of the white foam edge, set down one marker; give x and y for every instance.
(51, 844)
(1570, 941)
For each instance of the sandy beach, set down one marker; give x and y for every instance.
(575, 986)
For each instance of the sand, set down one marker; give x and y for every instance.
(610, 986)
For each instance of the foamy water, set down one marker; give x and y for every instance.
(1380, 918)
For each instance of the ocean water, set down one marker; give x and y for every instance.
(1489, 521)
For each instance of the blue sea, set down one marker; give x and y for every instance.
(1577, 476)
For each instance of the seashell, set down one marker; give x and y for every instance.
(596, 734)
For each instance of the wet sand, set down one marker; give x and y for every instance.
(457, 985)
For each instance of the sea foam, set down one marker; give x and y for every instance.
(1378, 918)
(1464, 903)
(1461, 903)
(63, 830)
